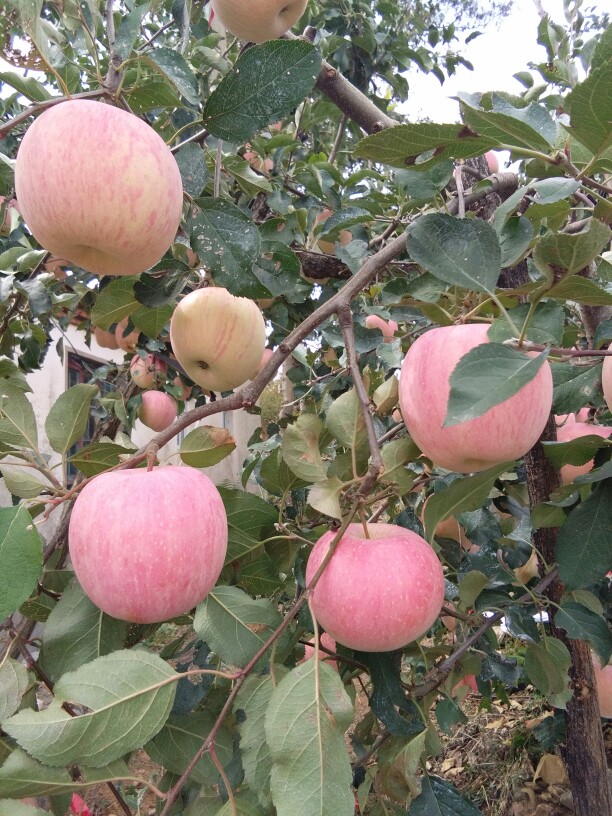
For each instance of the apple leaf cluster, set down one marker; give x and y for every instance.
(425, 319)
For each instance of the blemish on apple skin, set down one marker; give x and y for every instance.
(203, 365)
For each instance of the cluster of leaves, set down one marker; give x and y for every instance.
(282, 747)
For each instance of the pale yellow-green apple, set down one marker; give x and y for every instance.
(379, 593)
(257, 20)
(324, 640)
(603, 678)
(105, 339)
(574, 430)
(606, 380)
(157, 410)
(126, 342)
(329, 247)
(148, 371)
(492, 161)
(99, 187)
(504, 432)
(147, 546)
(387, 327)
(217, 338)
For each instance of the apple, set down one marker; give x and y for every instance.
(217, 338)
(387, 327)
(147, 372)
(329, 643)
(6, 225)
(258, 21)
(574, 430)
(329, 247)
(603, 678)
(157, 410)
(126, 342)
(267, 353)
(396, 416)
(450, 528)
(148, 545)
(606, 381)
(504, 432)
(256, 161)
(105, 339)
(185, 389)
(379, 593)
(492, 161)
(470, 681)
(99, 187)
(529, 570)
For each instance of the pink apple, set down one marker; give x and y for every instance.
(567, 433)
(606, 380)
(329, 247)
(158, 410)
(99, 187)
(185, 389)
(147, 372)
(326, 641)
(105, 339)
(257, 22)
(256, 161)
(504, 432)
(267, 353)
(492, 161)
(126, 342)
(148, 545)
(387, 327)
(378, 593)
(217, 338)
(470, 681)
(603, 679)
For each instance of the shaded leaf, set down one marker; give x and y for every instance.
(206, 445)
(583, 546)
(20, 558)
(247, 517)
(440, 798)
(13, 684)
(17, 420)
(388, 699)
(175, 69)
(571, 252)
(581, 623)
(300, 448)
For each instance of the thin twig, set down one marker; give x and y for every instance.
(338, 140)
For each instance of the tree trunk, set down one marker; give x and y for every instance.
(584, 751)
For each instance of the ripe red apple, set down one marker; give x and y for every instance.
(379, 593)
(387, 327)
(217, 338)
(504, 432)
(257, 22)
(470, 681)
(148, 545)
(147, 372)
(492, 161)
(126, 342)
(105, 339)
(326, 641)
(99, 187)
(157, 410)
(329, 247)
(574, 430)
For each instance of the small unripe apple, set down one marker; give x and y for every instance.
(492, 161)
(326, 641)
(379, 593)
(504, 432)
(574, 430)
(147, 546)
(157, 410)
(258, 21)
(105, 339)
(329, 247)
(217, 338)
(99, 187)
(387, 327)
(147, 372)
(126, 342)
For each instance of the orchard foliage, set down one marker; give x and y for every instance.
(220, 697)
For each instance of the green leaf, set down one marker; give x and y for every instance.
(547, 664)
(581, 623)
(29, 87)
(460, 251)
(325, 497)
(571, 252)
(581, 290)
(300, 448)
(590, 109)
(20, 776)
(248, 516)
(471, 584)
(20, 558)
(181, 737)
(19, 483)
(194, 172)
(519, 128)
(388, 699)
(486, 376)
(395, 455)
(267, 83)
(114, 302)
(345, 420)
(175, 69)
(206, 445)
(462, 496)
(514, 239)
(8, 807)
(546, 324)
(227, 242)
(305, 724)
(583, 545)
(68, 417)
(574, 386)
(278, 268)
(440, 798)
(400, 146)
(577, 452)
(261, 577)
(14, 682)
(77, 632)
(234, 625)
(17, 419)
(130, 695)
(96, 458)
(252, 702)
(152, 321)
(399, 763)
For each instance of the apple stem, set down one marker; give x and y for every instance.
(364, 524)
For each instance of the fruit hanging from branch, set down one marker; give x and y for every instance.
(574, 430)
(98, 187)
(147, 546)
(505, 432)
(379, 593)
(157, 410)
(148, 371)
(258, 21)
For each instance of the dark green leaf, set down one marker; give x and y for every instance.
(546, 664)
(176, 70)
(388, 699)
(514, 239)
(571, 252)
(581, 623)
(68, 417)
(574, 387)
(98, 457)
(20, 558)
(194, 171)
(581, 290)
(154, 291)
(583, 547)
(590, 109)
(439, 798)
(519, 127)
(247, 517)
